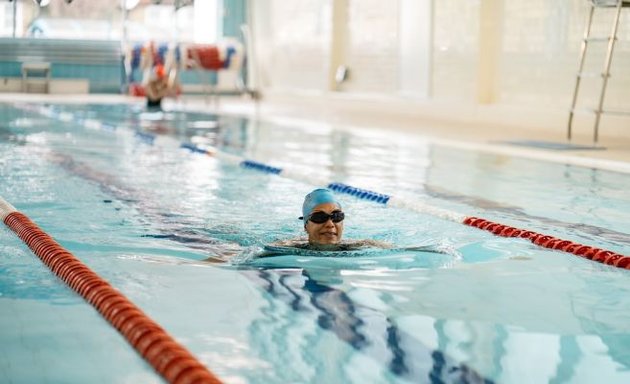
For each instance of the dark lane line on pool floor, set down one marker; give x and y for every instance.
(337, 312)
(364, 329)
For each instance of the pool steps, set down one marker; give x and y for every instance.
(170, 359)
(596, 254)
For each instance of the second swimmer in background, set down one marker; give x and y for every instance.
(158, 85)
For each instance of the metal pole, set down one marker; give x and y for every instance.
(14, 18)
(123, 7)
(606, 74)
(123, 46)
(587, 32)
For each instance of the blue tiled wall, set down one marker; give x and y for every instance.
(234, 14)
(102, 78)
(10, 69)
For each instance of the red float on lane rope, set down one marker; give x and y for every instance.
(171, 360)
(591, 253)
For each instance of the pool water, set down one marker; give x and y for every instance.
(145, 218)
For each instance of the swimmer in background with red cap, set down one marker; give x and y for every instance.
(158, 86)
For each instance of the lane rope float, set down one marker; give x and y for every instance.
(542, 240)
(170, 359)
(592, 253)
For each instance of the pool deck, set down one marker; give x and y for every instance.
(497, 129)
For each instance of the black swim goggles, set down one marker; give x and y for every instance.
(322, 217)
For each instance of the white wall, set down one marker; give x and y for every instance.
(512, 53)
(293, 43)
(415, 53)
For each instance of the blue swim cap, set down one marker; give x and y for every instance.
(315, 198)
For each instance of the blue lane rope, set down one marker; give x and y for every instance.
(109, 126)
(260, 167)
(596, 254)
(193, 148)
(360, 193)
(146, 137)
(158, 140)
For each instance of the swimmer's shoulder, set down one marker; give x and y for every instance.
(369, 243)
(344, 245)
(351, 245)
(294, 243)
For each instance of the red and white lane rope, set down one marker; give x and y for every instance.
(545, 241)
(171, 360)
(586, 251)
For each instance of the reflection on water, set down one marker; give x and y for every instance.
(393, 352)
(418, 348)
(506, 311)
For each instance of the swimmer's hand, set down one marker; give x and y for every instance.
(215, 260)
(223, 253)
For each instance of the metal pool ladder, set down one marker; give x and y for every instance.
(595, 4)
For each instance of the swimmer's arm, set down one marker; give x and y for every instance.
(290, 243)
(220, 258)
(222, 254)
(384, 245)
(214, 260)
(374, 243)
(423, 248)
(172, 78)
(265, 253)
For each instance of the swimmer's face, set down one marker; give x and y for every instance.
(327, 232)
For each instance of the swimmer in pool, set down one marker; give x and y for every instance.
(323, 220)
(158, 85)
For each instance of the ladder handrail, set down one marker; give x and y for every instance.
(587, 33)
(610, 3)
(609, 52)
(618, 4)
